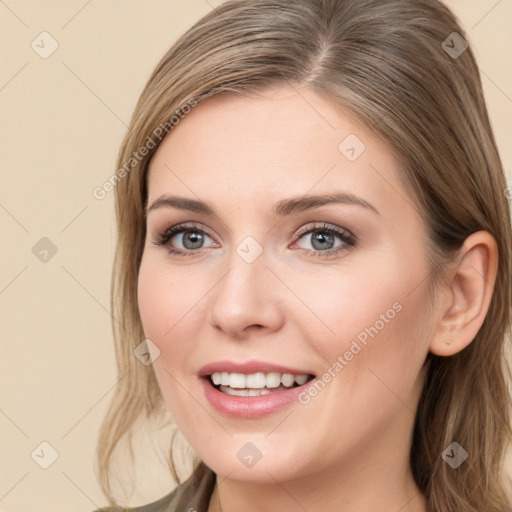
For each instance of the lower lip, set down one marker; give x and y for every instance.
(251, 406)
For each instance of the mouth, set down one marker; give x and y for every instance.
(256, 384)
(252, 389)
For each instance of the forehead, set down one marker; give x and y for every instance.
(280, 142)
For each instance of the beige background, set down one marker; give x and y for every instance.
(63, 119)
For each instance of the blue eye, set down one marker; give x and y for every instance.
(193, 239)
(324, 240)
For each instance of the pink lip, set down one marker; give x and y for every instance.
(247, 368)
(250, 406)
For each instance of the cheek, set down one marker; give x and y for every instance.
(374, 317)
(373, 360)
(168, 301)
(166, 306)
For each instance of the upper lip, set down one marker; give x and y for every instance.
(248, 367)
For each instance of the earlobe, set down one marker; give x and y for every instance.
(467, 295)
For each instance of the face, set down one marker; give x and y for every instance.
(265, 287)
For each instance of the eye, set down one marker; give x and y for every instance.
(323, 239)
(190, 236)
(188, 239)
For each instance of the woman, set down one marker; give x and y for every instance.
(314, 263)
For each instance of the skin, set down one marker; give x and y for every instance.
(348, 448)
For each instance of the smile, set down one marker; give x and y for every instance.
(252, 389)
(256, 384)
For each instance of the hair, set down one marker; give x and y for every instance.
(384, 62)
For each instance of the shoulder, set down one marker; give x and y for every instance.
(191, 495)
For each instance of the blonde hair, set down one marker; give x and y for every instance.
(387, 63)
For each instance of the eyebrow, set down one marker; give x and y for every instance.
(280, 209)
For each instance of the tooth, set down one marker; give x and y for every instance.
(258, 392)
(255, 381)
(237, 380)
(273, 380)
(244, 392)
(234, 392)
(287, 379)
(301, 379)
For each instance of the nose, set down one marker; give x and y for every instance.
(247, 299)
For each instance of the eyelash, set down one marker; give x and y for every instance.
(346, 237)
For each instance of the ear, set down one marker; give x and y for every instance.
(465, 299)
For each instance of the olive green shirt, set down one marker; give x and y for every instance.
(192, 495)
